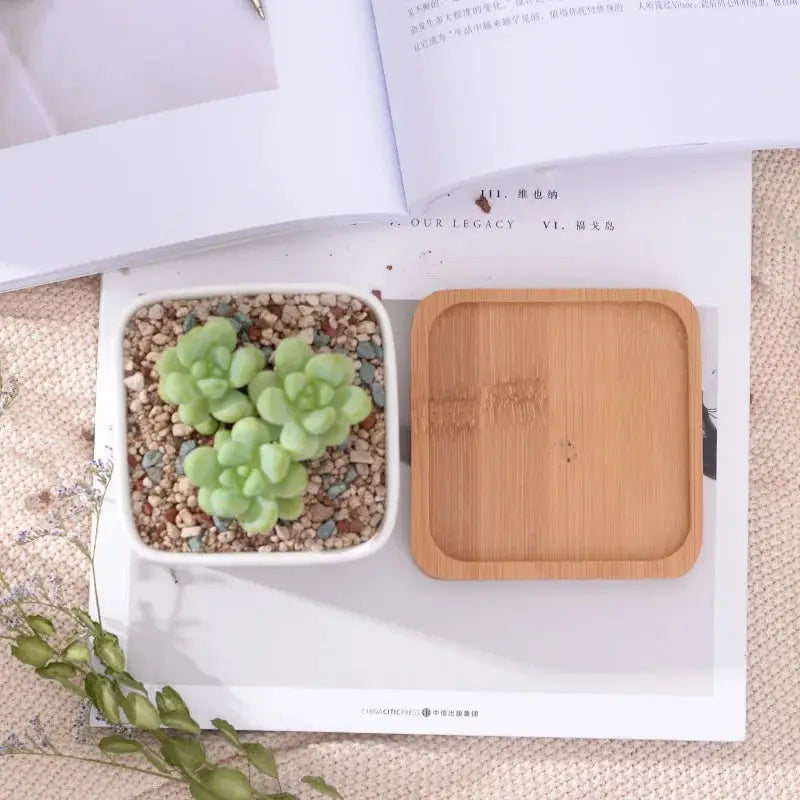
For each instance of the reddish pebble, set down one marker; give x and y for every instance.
(350, 526)
(131, 460)
(147, 509)
(328, 328)
(377, 293)
(140, 484)
(254, 333)
(369, 422)
(171, 514)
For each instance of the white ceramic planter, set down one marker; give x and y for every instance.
(250, 559)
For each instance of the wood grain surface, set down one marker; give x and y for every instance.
(556, 434)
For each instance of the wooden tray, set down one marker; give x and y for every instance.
(556, 434)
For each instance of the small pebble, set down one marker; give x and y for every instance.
(268, 352)
(156, 311)
(367, 373)
(367, 326)
(194, 530)
(220, 523)
(179, 430)
(306, 335)
(152, 458)
(336, 489)
(365, 350)
(189, 321)
(322, 340)
(361, 457)
(186, 448)
(195, 544)
(328, 300)
(135, 382)
(326, 529)
(223, 309)
(243, 319)
(320, 512)
(351, 474)
(379, 394)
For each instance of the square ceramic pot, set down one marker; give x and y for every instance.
(251, 558)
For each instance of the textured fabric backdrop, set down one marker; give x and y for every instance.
(47, 339)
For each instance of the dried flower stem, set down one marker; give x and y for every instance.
(118, 764)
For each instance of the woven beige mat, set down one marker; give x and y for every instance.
(47, 339)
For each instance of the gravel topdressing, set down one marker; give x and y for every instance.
(344, 501)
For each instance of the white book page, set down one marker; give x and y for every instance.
(131, 128)
(485, 86)
(633, 659)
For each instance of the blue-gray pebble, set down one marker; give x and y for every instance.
(152, 458)
(379, 394)
(336, 489)
(189, 321)
(367, 373)
(220, 523)
(365, 350)
(326, 529)
(195, 543)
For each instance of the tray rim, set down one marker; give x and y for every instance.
(427, 554)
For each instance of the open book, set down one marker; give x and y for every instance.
(128, 133)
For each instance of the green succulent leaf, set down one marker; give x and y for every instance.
(290, 508)
(231, 407)
(227, 730)
(274, 461)
(180, 387)
(201, 466)
(264, 380)
(294, 484)
(220, 332)
(168, 362)
(208, 427)
(42, 625)
(181, 721)
(253, 432)
(297, 441)
(261, 516)
(220, 356)
(226, 783)
(335, 369)
(107, 649)
(229, 503)
(186, 754)
(246, 363)
(273, 406)
(294, 384)
(119, 745)
(77, 652)
(319, 785)
(292, 356)
(336, 434)
(212, 388)
(233, 454)
(57, 671)
(255, 484)
(320, 421)
(141, 713)
(32, 650)
(262, 758)
(356, 406)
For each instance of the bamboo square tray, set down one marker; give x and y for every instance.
(556, 434)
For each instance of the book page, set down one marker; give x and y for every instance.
(485, 86)
(605, 658)
(133, 127)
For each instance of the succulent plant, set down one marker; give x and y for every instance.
(310, 398)
(203, 372)
(247, 476)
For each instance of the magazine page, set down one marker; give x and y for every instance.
(134, 127)
(484, 86)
